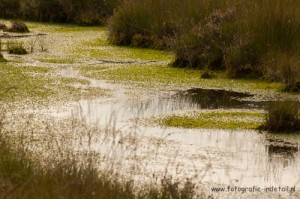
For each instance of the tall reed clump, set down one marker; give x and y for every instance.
(283, 117)
(140, 23)
(151, 23)
(266, 41)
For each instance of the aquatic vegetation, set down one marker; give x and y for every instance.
(215, 119)
(36, 83)
(57, 60)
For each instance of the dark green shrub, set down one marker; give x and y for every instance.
(283, 117)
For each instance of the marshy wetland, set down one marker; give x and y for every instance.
(127, 111)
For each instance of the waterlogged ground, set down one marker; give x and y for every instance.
(75, 93)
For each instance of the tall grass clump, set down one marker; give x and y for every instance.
(283, 117)
(276, 38)
(151, 23)
(140, 23)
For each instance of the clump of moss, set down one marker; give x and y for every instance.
(282, 117)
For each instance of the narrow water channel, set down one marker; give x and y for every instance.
(224, 157)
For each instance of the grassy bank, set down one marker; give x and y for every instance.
(254, 39)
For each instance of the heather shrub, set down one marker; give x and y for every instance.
(203, 45)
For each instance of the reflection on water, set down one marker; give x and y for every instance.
(191, 99)
(246, 158)
(279, 150)
(197, 98)
(209, 98)
(279, 147)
